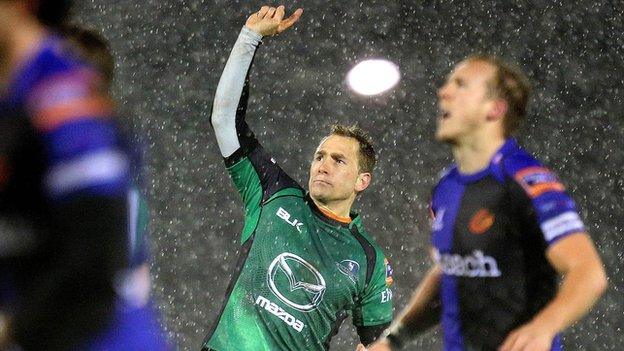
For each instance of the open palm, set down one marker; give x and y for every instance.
(271, 21)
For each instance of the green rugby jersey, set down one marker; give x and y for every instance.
(300, 273)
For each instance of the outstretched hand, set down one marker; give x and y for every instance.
(270, 20)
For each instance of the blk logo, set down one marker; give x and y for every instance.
(283, 214)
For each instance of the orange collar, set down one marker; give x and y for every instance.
(330, 214)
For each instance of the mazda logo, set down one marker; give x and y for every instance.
(296, 282)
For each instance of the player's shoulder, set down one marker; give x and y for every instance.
(519, 161)
(55, 65)
(368, 242)
(357, 228)
(446, 175)
(58, 89)
(378, 266)
(447, 172)
(531, 174)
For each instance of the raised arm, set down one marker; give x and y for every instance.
(229, 126)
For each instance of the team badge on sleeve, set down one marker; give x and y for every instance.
(538, 180)
(349, 268)
(389, 273)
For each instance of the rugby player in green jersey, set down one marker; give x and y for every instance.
(306, 261)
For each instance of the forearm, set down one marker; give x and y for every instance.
(424, 297)
(369, 334)
(422, 312)
(229, 90)
(579, 291)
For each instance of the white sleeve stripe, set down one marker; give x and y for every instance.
(562, 224)
(133, 214)
(92, 169)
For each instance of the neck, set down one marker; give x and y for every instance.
(340, 208)
(475, 155)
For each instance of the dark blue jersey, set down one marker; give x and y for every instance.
(490, 232)
(64, 104)
(64, 185)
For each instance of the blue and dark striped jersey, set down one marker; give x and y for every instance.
(65, 104)
(490, 233)
(64, 201)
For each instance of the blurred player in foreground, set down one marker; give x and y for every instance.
(64, 180)
(135, 309)
(306, 261)
(504, 229)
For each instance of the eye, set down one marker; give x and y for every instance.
(341, 161)
(318, 157)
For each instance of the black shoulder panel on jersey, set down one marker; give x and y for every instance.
(272, 177)
(369, 250)
(369, 334)
(246, 137)
(242, 258)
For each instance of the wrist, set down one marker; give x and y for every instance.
(549, 326)
(251, 34)
(396, 335)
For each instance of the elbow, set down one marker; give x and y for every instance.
(217, 120)
(597, 283)
(221, 121)
(602, 283)
(223, 113)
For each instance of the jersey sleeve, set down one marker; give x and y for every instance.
(375, 304)
(72, 112)
(553, 208)
(257, 177)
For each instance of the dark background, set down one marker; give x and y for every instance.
(169, 58)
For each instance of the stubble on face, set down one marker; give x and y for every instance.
(334, 180)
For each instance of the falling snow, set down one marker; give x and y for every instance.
(169, 57)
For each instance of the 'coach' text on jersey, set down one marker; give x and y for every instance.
(490, 233)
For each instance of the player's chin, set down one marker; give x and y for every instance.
(317, 192)
(321, 193)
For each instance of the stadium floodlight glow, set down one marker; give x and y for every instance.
(372, 77)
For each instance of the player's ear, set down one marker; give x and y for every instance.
(498, 110)
(363, 181)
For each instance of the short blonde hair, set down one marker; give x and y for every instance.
(510, 84)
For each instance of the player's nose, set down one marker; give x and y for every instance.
(444, 91)
(323, 167)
